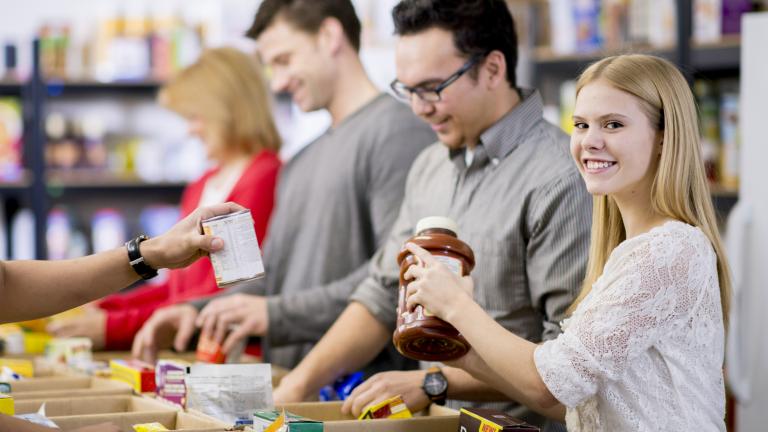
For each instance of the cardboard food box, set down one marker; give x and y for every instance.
(68, 387)
(6, 404)
(488, 420)
(138, 374)
(433, 419)
(92, 405)
(164, 354)
(174, 421)
(169, 380)
(188, 356)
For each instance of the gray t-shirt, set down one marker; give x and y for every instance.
(522, 207)
(336, 202)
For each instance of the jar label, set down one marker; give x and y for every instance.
(453, 264)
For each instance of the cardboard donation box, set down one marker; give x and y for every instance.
(107, 356)
(433, 419)
(68, 387)
(92, 405)
(172, 420)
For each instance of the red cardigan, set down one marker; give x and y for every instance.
(126, 313)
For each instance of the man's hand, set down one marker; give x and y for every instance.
(91, 324)
(169, 325)
(385, 385)
(185, 242)
(244, 314)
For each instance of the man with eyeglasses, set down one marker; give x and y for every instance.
(501, 172)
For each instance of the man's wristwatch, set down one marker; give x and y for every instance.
(435, 385)
(137, 261)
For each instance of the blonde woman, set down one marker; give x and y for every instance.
(643, 347)
(226, 101)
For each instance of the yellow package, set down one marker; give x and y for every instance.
(149, 427)
(35, 342)
(278, 424)
(25, 368)
(37, 325)
(40, 325)
(6, 404)
(393, 408)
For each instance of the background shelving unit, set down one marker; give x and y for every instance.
(708, 61)
(41, 187)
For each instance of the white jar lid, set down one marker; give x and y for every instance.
(441, 222)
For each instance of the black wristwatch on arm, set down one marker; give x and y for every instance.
(435, 385)
(137, 261)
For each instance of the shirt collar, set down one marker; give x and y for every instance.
(509, 131)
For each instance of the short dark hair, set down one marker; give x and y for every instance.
(478, 26)
(307, 15)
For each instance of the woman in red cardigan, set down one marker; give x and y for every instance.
(225, 99)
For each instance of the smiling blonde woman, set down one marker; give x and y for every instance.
(643, 347)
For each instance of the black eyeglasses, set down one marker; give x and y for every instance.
(432, 95)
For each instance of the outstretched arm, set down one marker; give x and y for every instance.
(31, 289)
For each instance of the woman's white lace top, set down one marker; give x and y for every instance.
(644, 350)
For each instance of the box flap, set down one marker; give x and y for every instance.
(78, 387)
(333, 420)
(174, 421)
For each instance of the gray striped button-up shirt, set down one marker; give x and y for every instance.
(522, 207)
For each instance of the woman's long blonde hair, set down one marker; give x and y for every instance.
(226, 87)
(679, 189)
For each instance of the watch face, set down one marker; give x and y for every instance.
(435, 384)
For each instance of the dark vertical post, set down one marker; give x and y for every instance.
(684, 32)
(38, 195)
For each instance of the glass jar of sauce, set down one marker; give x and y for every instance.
(419, 334)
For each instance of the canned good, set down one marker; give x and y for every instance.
(240, 259)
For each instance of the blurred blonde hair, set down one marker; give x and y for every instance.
(226, 88)
(679, 189)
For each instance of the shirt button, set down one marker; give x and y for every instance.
(495, 161)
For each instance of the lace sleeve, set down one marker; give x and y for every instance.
(641, 291)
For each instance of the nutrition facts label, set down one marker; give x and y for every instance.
(240, 259)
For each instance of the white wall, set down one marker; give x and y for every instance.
(748, 343)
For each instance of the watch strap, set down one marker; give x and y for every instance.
(137, 260)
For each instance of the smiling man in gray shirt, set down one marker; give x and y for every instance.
(336, 200)
(500, 171)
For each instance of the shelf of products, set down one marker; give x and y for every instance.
(10, 87)
(89, 180)
(84, 88)
(720, 191)
(18, 184)
(82, 174)
(569, 36)
(722, 55)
